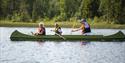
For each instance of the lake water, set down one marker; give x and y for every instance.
(62, 52)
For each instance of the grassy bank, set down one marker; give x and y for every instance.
(102, 25)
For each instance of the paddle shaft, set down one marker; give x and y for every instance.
(73, 26)
(60, 36)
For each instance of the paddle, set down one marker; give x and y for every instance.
(73, 26)
(59, 35)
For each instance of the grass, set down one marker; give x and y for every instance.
(101, 25)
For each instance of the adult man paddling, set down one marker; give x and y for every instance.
(85, 27)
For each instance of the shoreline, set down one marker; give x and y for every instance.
(62, 24)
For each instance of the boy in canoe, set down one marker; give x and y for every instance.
(57, 29)
(85, 27)
(40, 30)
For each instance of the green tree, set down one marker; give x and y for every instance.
(110, 9)
(85, 8)
(71, 7)
(121, 16)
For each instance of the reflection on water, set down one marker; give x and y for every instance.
(60, 52)
(40, 43)
(84, 43)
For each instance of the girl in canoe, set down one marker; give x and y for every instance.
(40, 30)
(57, 29)
(85, 27)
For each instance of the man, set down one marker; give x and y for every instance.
(85, 27)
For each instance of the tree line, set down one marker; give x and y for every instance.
(63, 10)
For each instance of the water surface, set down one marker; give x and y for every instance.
(63, 52)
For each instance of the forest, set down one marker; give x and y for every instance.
(110, 11)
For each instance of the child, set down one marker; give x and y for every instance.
(41, 29)
(57, 29)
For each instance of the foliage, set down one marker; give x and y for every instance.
(63, 10)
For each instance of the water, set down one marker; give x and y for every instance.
(63, 52)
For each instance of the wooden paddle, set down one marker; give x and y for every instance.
(73, 26)
(59, 35)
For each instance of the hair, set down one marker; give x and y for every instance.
(41, 23)
(56, 24)
(82, 20)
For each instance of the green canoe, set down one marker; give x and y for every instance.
(18, 36)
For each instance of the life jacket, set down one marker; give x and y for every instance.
(42, 29)
(58, 30)
(85, 27)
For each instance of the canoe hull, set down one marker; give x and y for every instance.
(18, 36)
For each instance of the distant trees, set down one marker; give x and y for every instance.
(62, 10)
